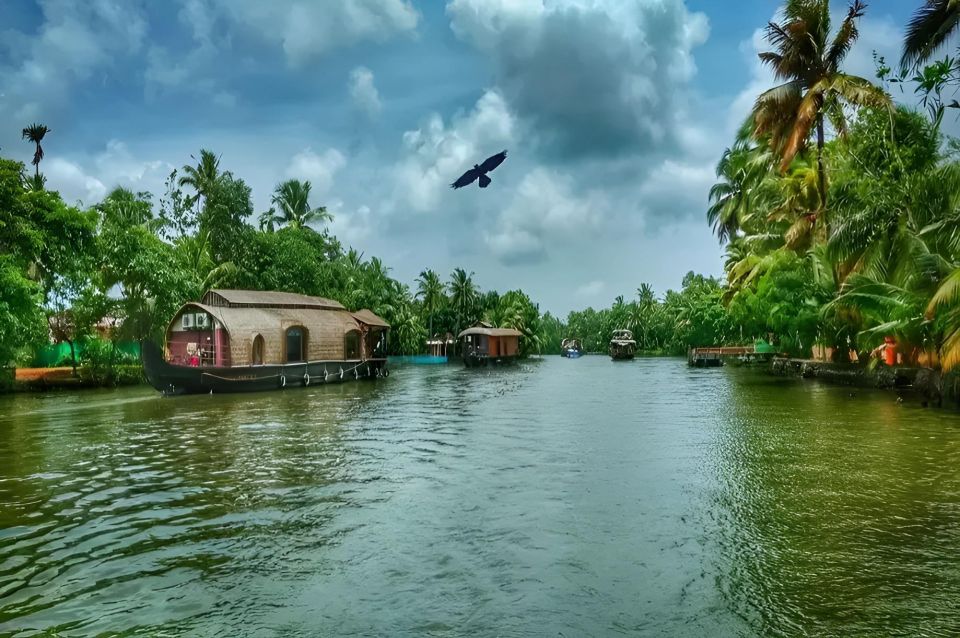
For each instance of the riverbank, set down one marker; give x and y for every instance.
(925, 384)
(64, 378)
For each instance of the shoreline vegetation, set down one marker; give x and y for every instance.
(838, 207)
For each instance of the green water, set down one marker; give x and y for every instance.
(561, 498)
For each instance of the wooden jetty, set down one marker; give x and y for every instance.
(715, 357)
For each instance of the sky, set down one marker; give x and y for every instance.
(614, 114)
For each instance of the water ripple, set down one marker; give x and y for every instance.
(572, 498)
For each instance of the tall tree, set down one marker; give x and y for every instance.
(292, 199)
(814, 89)
(463, 296)
(430, 293)
(35, 134)
(203, 177)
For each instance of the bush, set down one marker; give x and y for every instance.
(7, 378)
(128, 374)
(102, 364)
(96, 361)
(64, 362)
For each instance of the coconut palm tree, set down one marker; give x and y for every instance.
(35, 134)
(122, 208)
(292, 199)
(354, 259)
(430, 293)
(269, 220)
(203, 177)
(463, 295)
(814, 89)
(931, 25)
(36, 183)
(742, 190)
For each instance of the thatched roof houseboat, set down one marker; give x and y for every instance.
(237, 340)
(622, 345)
(485, 345)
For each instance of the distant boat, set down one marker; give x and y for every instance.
(484, 345)
(571, 348)
(622, 345)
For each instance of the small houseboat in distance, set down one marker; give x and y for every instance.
(245, 340)
(570, 348)
(622, 345)
(484, 345)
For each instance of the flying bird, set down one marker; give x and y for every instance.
(479, 171)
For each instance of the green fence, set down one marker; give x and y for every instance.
(59, 353)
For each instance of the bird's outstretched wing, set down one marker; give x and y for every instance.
(493, 161)
(466, 179)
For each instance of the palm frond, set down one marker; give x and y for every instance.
(929, 28)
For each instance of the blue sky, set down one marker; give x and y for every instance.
(614, 113)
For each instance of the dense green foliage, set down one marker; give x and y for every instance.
(855, 239)
(693, 316)
(63, 270)
(840, 214)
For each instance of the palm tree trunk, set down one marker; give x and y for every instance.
(37, 164)
(821, 170)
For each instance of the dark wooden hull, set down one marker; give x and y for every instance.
(484, 361)
(622, 353)
(172, 379)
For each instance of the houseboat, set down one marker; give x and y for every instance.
(245, 341)
(571, 348)
(484, 345)
(622, 345)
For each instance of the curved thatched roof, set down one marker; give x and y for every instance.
(490, 332)
(267, 298)
(367, 317)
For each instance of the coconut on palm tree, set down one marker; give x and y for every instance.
(292, 199)
(35, 134)
(807, 59)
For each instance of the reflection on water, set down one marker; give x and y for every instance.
(563, 497)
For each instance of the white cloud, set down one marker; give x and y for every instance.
(545, 207)
(595, 77)
(88, 179)
(363, 92)
(319, 169)
(306, 29)
(74, 184)
(677, 189)
(591, 288)
(351, 226)
(74, 40)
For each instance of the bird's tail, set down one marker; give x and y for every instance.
(484, 181)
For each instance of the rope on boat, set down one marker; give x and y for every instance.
(306, 375)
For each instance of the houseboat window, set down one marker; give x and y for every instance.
(257, 357)
(351, 345)
(296, 344)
